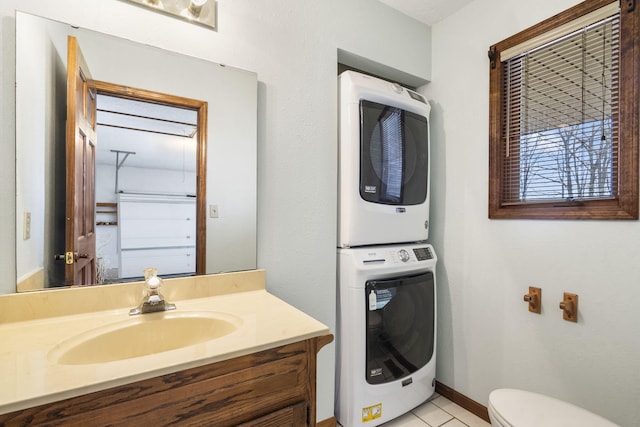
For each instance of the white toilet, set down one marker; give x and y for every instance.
(518, 408)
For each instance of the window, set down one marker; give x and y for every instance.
(564, 116)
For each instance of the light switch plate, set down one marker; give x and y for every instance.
(26, 225)
(213, 211)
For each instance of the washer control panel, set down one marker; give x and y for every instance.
(398, 255)
(423, 254)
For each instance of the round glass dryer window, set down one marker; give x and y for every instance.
(394, 158)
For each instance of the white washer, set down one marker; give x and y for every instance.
(386, 332)
(383, 163)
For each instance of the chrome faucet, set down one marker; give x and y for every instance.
(153, 300)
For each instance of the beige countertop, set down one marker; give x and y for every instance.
(29, 377)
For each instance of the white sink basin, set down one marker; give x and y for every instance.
(143, 335)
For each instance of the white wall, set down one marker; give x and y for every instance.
(29, 184)
(292, 45)
(486, 337)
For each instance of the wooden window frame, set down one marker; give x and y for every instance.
(625, 203)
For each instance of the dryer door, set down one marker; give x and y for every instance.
(400, 326)
(394, 162)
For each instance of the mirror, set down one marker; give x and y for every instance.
(231, 98)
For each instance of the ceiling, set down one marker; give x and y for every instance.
(155, 136)
(427, 11)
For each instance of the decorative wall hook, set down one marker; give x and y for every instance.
(569, 307)
(534, 298)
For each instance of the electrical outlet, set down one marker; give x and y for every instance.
(213, 211)
(26, 225)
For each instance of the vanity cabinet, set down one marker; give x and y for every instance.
(275, 387)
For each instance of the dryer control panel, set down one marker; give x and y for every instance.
(404, 255)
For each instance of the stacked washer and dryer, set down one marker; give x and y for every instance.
(386, 310)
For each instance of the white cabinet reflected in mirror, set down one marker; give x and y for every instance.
(161, 121)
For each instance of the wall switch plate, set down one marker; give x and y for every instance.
(213, 211)
(26, 225)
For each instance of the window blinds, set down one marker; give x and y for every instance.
(560, 113)
(561, 31)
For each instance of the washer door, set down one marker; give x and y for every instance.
(400, 326)
(394, 160)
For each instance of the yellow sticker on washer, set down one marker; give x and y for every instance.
(370, 413)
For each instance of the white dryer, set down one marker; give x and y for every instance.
(386, 332)
(383, 163)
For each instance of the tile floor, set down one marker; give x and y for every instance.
(438, 411)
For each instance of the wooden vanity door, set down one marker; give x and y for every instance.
(80, 246)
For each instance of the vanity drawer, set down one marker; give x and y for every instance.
(291, 416)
